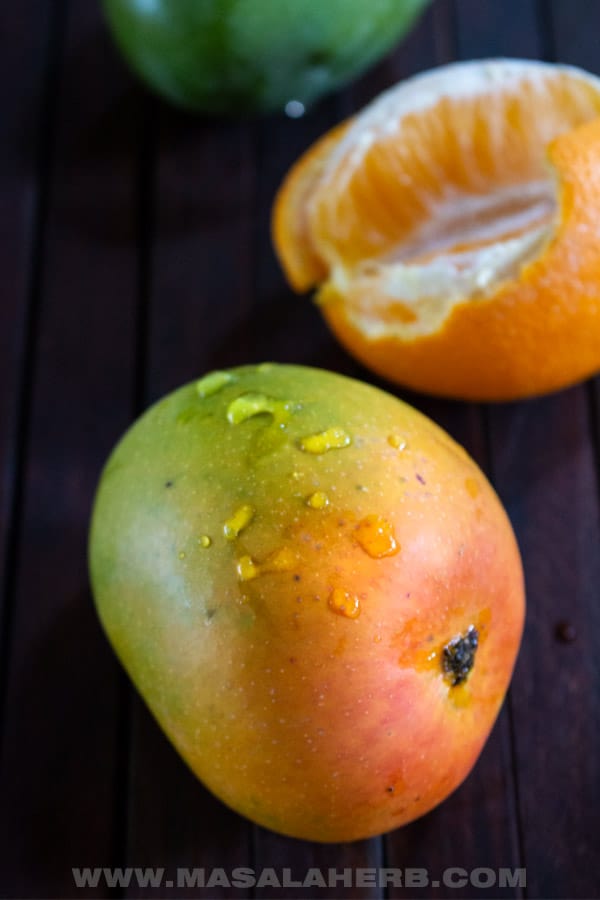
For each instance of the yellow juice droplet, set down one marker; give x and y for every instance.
(344, 604)
(239, 520)
(213, 382)
(282, 560)
(397, 442)
(204, 541)
(181, 554)
(251, 404)
(247, 568)
(332, 439)
(376, 536)
(472, 486)
(318, 500)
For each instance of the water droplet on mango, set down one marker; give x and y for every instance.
(238, 521)
(318, 500)
(248, 405)
(204, 541)
(246, 568)
(344, 603)
(331, 439)
(397, 442)
(181, 554)
(376, 536)
(213, 382)
(282, 560)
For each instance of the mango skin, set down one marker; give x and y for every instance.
(307, 721)
(253, 56)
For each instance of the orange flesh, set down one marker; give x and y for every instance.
(448, 177)
(464, 172)
(468, 227)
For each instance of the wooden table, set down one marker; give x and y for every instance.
(135, 255)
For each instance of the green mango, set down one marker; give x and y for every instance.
(240, 56)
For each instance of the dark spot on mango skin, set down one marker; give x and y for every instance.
(458, 656)
(168, 484)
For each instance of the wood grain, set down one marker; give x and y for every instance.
(27, 95)
(546, 474)
(59, 751)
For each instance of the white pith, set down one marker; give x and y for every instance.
(430, 291)
(429, 273)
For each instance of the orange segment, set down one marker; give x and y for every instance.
(453, 227)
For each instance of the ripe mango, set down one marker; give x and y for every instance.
(315, 590)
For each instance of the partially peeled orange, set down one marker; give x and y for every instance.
(453, 229)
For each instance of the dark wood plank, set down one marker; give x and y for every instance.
(200, 296)
(494, 29)
(202, 275)
(59, 749)
(27, 94)
(546, 469)
(281, 853)
(546, 473)
(424, 48)
(574, 30)
(281, 325)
